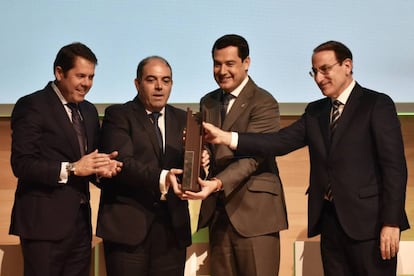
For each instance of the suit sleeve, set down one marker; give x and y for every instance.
(28, 158)
(391, 159)
(279, 143)
(264, 117)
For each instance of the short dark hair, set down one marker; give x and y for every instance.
(341, 51)
(144, 62)
(232, 40)
(66, 56)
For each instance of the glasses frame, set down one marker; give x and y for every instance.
(324, 69)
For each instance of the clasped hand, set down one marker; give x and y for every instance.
(101, 164)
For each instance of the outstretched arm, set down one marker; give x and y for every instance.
(215, 135)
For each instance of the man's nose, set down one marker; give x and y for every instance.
(158, 85)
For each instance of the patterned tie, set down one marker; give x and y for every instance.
(226, 98)
(154, 119)
(79, 127)
(335, 115)
(334, 121)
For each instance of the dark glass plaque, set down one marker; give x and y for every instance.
(192, 154)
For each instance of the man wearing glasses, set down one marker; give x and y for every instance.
(358, 172)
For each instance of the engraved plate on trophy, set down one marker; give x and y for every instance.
(192, 154)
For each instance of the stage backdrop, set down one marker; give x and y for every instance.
(282, 35)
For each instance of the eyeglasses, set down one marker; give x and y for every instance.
(324, 70)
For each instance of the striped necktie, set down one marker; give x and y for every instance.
(335, 115)
(334, 121)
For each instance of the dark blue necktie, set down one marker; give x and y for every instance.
(154, 119)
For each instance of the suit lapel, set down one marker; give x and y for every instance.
(239, 105)
(171, 126)
(324, 119)
(63, 121)
(347, 114)
(144, 120)
(90, 127)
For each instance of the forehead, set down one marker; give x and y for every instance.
(82, 64)
(227, 53)
(156, 67)
(323, 57)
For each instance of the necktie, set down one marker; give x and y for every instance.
(226, 98)
(334, 121)
(78, 126)
(335, 115)
(154, 119)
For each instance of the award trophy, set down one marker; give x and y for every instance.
(192, 154)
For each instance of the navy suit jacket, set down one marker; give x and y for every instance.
(42, 138)
(131, 200)
(364, 161)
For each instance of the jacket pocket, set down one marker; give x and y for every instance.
(266, 182)
(369, 191)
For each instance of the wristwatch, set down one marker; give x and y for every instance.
(70, 168)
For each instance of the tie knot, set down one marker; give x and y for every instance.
(227, 97)
(154, 116)
(73, 106)
(336, 104)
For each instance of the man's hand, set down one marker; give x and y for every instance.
(112, 168)
(101, 164)
(389, 241)
(171, 180)
(207, 187)
(205, 159)
(214, 135)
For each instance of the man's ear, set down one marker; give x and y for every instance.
(59, 74)
(348, 65)
(136, 82)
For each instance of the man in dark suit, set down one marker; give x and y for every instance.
(358, 170)
(54, 165)
(244, 203)
(144, 225)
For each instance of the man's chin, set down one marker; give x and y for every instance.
(226, 87)
(80, 98)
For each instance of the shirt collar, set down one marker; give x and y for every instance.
(162, 111)
(58, 93)
(343, 98)
(236, 92)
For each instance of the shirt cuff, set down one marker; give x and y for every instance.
(234, 140)
(63, 177)
(163, 187)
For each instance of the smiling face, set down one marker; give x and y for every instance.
(331, 76)
(155, 85)
(229, 70)
(75, 83)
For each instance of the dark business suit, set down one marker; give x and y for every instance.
(42, 138)
(130, 207)
(253, 197)
(364, 163)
